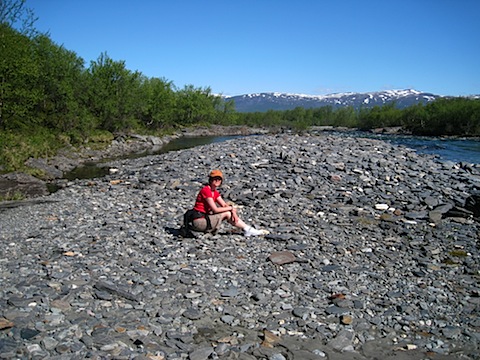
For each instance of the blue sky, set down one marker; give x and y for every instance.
(313, 47)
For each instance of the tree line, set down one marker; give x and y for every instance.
(50, 98)
(456, 116)
(45, 85)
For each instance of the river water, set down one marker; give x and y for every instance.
(447, 149)
(92, 170)
(456, 150)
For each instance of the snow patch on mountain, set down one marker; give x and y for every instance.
(286, 101)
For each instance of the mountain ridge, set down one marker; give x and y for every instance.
(260, 102)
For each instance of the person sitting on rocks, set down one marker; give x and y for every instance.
(211, 210)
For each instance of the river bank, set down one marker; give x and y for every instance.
(83, 162)
(372, 253)
(53, 169)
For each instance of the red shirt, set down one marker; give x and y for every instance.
(201, 201)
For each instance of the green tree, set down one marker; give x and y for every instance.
(272, 118)
(345, 116)
(195, 105)
(16, 15)
(453, 116)
(252, 118)
(114, 94)
(159, 103)
(225, 111)
(19, 73)
(299, 118)
(62, 80)
(380, 116)
(415, 119)
(323, 116)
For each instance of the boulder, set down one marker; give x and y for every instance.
(21, 183)
(50, 172)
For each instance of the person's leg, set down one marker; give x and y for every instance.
(247, 229)
(217, 219)
(216, 222)
(200, 225)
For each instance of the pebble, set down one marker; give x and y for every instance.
(370, 253)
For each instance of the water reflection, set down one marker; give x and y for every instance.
(190, 142)
(86, 171)
(93, 170)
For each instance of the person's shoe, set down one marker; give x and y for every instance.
(250, 231)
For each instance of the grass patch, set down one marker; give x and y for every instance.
(458, 253)
(450, 262)
(18, 148)
(100, 139)
(15, 196)
(366, 221)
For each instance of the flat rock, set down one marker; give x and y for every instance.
(282, 257)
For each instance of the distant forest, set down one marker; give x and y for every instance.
(49, 99)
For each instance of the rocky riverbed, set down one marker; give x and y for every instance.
(51, 171)
(373, 253)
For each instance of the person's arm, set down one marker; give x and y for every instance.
(234, 217)
(219, 209)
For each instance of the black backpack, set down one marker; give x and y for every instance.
(187, 227)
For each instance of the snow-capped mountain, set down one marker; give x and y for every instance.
(281, 101)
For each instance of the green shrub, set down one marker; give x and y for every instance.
(19, 147)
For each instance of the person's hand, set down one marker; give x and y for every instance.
(234, 217)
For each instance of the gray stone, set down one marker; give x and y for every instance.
(230, 292)
(50, 172)
(97, 269)
(192, 314)
(343, 341)
(300, 312)
(282, 257)
(201, 353)
(13, 184)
